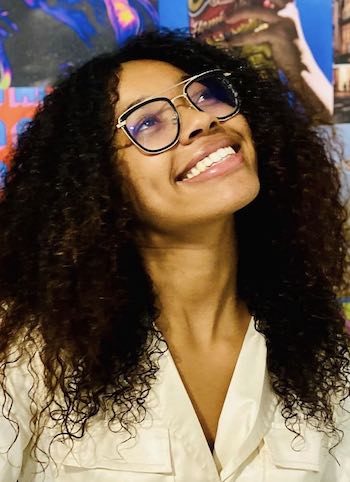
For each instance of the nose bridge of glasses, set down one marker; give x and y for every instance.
(185, 96)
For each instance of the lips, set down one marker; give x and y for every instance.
(205, 151)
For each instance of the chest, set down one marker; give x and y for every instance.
(206, 378)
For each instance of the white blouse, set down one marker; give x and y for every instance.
(252, 443)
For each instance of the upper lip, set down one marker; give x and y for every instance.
(204, 150)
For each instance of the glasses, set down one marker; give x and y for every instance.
(153, 125)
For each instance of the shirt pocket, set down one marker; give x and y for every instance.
(101, 450)
(293, 459)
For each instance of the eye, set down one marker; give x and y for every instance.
(147, 122)
(150, 119)
(205, 95)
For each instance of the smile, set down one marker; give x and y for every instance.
(208, 161)
(207, 167)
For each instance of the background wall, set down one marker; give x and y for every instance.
(307, 41)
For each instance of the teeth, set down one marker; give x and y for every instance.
(200, 167)
(208, 161)
(214, 156)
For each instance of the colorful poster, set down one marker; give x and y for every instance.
(277, 33)
(343, 135)
(341, 73)
(41, 39)
(17, 106)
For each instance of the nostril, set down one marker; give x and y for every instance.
(195, 133)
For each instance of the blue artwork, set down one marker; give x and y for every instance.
(3, 171)
(80, 29)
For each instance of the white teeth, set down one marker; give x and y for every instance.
(214, 156)
(208, 161)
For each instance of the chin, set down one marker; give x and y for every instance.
(242, 196)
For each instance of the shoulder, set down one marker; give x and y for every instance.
(21, 377)
(337, 461)
(16, 389)
(310, 447)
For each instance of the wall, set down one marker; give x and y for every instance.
(42, 39)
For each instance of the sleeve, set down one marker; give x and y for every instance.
(338, 467)
(12, 448)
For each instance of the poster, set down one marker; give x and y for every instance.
(40, 40)
(17, 106)
(341, 72)
(342, 132)
(280, 34)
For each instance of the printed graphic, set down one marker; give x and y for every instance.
(270, 32)
(17, 106)
(40, 39)
(341, 73)
(343, 134)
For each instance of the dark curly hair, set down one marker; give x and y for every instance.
(73, 287)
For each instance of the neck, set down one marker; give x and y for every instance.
(195, 280)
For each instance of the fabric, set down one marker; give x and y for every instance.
(252, 443)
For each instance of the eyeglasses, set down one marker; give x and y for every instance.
(153, 125)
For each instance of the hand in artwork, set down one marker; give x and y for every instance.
(277, 23)
(279, 32)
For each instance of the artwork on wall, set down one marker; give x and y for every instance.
(40, 39)
(341, 73)
(341, 77)
(343, 136)
(279, 34)
(17, 106)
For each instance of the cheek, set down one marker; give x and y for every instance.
(145, 182)
(242, 127)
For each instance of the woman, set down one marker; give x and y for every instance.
(172, 247)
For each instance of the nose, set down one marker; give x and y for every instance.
(194, 123)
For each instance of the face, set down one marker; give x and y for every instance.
(168, 198)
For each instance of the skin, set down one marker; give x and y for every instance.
(187, 230)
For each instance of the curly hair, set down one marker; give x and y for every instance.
(73, 284)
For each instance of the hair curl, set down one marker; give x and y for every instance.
(71, 275)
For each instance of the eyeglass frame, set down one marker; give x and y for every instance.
(121, 124)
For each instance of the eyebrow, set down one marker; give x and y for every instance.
(141, 99)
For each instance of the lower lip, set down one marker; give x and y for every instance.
(229, 164)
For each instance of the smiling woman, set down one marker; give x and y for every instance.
(172, 248)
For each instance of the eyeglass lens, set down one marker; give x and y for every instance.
(154, 125)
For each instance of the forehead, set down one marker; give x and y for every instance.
(145, 78)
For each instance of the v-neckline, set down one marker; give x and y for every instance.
(239, 410)
(229, 388)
